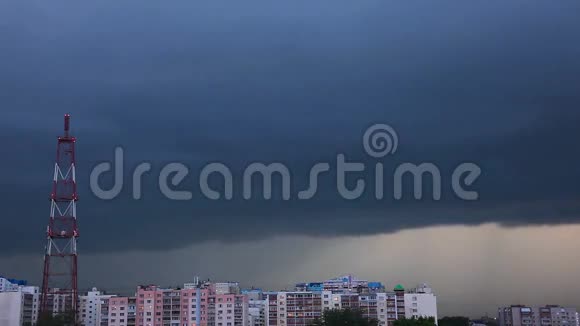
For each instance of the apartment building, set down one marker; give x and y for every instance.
(30, 304)
(556, 315)
(19, 304)
(342, 284)
(104, 312)
(90, 307)
(226, 288)
(120, 311)
(386, 307)
(190, 306)
(10, 285)
(550, 315)
(301, 308)
(58, 302)
(257, 312)
(293, 308)
(421, 302)
(257, 307)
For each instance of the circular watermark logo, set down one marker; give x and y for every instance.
(380, 140)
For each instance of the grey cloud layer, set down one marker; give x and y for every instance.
(494, 83)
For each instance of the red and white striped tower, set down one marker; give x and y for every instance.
(60, 259)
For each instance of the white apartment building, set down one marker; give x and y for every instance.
(90, 307)
(10, 309)
(7, 286)
(421, 302)
(19, 306)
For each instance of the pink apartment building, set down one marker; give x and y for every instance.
(118, 310)
(182, 307)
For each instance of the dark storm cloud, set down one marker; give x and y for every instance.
(295, 82)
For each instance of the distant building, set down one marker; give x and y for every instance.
(253, 294)
(385, 307)
(347, 291)
(104, 312)
(227, 288)
(11, 304)
(191, 306)
(10, 285)
(421, 302)
(257, 307)
(301, 308)
(551, 315)
(19, 304)
(58, 302)
(293, 308)
(90, 307)
(342, 284)
(122, 311)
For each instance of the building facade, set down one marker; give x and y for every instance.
(301, 308)
(421, 302)
(293, 308)
(121, 311)
(90, 307)
(257, 307)
(10, 285)
(551, 315)
(19, 304)
(201, 306)
(342, 284)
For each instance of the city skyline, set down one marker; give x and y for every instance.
(205, 303)
(480, 294)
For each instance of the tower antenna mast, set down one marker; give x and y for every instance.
(59, 282)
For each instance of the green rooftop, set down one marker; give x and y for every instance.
(399, 287)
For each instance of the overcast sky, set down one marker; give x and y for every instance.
(495, 83)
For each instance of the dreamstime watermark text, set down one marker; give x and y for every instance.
(379, 141)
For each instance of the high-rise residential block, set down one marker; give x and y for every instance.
(191, 306)
(421, 302)
(19, 304)
(551, 315)
(90, 307)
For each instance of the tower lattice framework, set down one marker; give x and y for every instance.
(59, 285)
